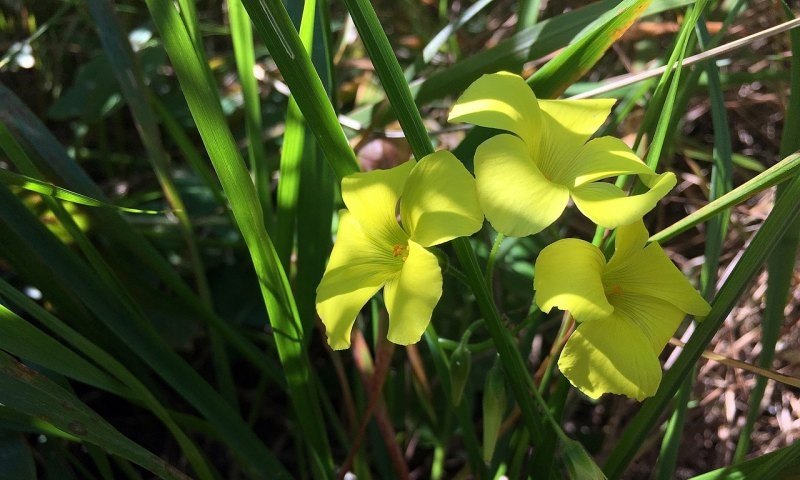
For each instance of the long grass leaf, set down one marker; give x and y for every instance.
(203, 101)
(25, 390)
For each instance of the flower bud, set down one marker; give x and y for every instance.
(460, 363)
(494, 406)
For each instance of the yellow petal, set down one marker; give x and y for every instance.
(651, 273)
(411, 296)
(440, 201)
(372, 198)
(611, 355)
(516, 198)
(359, 266)
(630, 240)
(566, 126)
(568, 275)
(503, 101)
(605, 157)
(657, 319)
(607, 205)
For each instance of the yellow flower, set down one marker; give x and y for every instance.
(437, 202)
(525, 180)
(627, 309)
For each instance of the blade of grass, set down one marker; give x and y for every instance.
(203, 100)
(780, 267)
(783, 215)
(295, 152)
(112, 366)
(782, 463)
(27, 391)
(284, 44)
(780, 172)
(721, 183)
(244, 52)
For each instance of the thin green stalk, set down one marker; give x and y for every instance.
(244, 52)
(780, 267)
(202, 97)
(721, 183)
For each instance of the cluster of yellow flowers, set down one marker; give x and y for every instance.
(627, 308)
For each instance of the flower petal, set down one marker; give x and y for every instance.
(607, 205)
(566, 126)
(579, 117)
(657, 319)
(411, 296)
(503, 101)
(611, 355)
(605, 157)
(359, 266)
(651, 273)
(630, 240)
(372, 198)
(440, 201)
(568, 275)
(516, 198)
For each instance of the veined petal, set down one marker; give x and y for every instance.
(359, 266)
(568, 275)
(503, 101)
(372, 198)
(440, 201)
(657, 319)
(607, 205)
(629, 242)
(650, 273)
(411, 296)
(605, 157)
(611, 355)
(516, 198)
(566, 126)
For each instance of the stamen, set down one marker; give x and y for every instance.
(614, 290)
(400, 250)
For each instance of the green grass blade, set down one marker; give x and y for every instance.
(782, 463)
(579, 57)
(23, 340)
(780, 269)
(204, 104)
(783, 215)
(721, 182)
(27, 391)
(244, 52)
(112, 366)
(780, 172)
(276, 30)
(296, 151)
(33, 185)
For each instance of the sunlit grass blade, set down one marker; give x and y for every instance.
(783, 215)
(244, 52)
(780, 269)
(204, 104)
(782, 463)
(28, 391)
(284, 44)
(780, 172)
(296, 151)
(33, 185)
(579, 57)
(721, 183)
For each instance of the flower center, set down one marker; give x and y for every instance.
(400, 250)
(614, 290)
